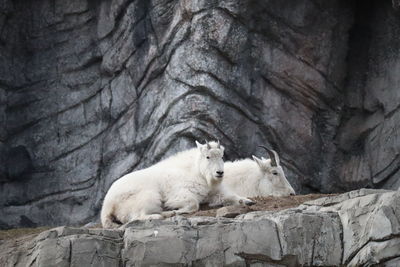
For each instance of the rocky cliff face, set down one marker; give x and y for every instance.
(91, 90)
(360, 228)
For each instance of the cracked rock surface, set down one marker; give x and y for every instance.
(91, 90)
(359, 228)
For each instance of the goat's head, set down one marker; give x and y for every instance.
(210, 162)
(274, 173)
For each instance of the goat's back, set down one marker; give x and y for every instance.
(242, 177)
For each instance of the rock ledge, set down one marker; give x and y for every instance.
(353, 229)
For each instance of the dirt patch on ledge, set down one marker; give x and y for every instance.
(266, 203)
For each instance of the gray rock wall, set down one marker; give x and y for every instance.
(91, 90)
(359, 228)
(368, 137)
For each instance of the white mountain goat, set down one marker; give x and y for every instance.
(180, 182)
(258, 177)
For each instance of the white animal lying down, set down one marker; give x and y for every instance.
(181, 182)
(258, 177)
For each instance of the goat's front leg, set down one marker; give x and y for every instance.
(231, 198)
(188, 208)
(236, 199)
(181, 205)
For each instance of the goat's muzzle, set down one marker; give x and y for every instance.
(220, 174)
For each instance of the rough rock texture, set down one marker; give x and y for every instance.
(359, 228)
(231, 211)
(369, 137)
(91, 90)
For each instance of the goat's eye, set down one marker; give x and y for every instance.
(208, 157)
(275, 173)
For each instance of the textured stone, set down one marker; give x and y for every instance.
(369, 218)
(92, 91)
(231, 211)
(358, 228)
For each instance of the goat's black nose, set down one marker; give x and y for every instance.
(292, 194)
(220, 173)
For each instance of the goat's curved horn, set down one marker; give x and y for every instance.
(273, 155)
(219, 145)
(208, 145)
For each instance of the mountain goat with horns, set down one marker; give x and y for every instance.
(255, 178)
(177, 184)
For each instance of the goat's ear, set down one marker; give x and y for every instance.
(277, 159)
(199, 146)
(259, 161)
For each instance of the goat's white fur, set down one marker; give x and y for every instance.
(253, 178)
(181, 182)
